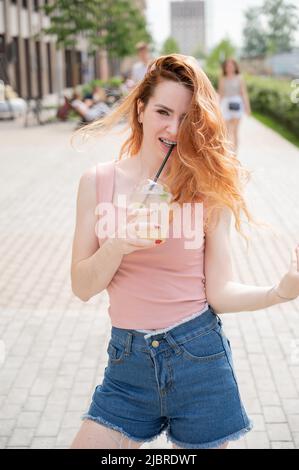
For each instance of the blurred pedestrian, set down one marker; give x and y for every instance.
(127, 84)
(139, 68)
(233, 99)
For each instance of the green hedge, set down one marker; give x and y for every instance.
(270, 97)
(213, 75)
(113, 82)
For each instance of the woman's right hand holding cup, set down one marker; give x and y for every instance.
(126, 239)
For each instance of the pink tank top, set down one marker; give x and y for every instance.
(155, 287)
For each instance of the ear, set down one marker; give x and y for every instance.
(140, 109)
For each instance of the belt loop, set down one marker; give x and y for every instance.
(172, 342)
(128, 344)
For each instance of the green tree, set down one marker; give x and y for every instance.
(270, 29)
(170, 46)
(282, 23)
(222, 51)
(255, 43)
(113, 25)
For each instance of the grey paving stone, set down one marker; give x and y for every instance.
(274, 414)
(6, 427)
(28, 419)
(21, 437)
(293, 421)
(279, 432)
(48, 427)
(282, 445)
(3, 442)
(257, 440)
(43, 443)
(290, 405)
(258, 422)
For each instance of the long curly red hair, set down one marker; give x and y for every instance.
(204, 169)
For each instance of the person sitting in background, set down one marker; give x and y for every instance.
(98, 94)
(90, 109)
(11, 105)
(94, 96)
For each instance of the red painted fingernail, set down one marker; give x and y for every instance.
(158, 242)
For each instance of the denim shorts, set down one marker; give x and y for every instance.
(181, 381)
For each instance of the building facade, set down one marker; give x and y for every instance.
(188, 23)
(33, 66)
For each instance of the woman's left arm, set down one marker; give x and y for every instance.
(244, 95)
(227, 296)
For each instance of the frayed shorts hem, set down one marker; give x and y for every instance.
(213, 444)
(117, 428)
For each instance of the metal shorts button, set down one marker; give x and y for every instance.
(155, 343)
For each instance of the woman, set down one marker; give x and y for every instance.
(170, 364)
(233, 99)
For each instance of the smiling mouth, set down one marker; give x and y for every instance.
(169, 143)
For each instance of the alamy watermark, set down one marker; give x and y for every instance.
(186, 220)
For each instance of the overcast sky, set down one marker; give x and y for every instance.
(224, 18)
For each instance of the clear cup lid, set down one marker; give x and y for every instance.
(150, 186)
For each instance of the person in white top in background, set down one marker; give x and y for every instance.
(234, 99)
(140, 67)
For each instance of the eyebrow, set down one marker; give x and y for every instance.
(167, 109)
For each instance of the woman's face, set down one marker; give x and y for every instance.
(163, 115)
(230, 67)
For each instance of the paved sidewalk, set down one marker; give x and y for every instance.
(55, 345)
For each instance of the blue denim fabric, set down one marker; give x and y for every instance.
(181, 381)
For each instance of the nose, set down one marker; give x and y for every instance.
(173, 127)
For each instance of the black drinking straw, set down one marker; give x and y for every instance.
(160, 170)
(164, 163)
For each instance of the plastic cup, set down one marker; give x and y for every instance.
(155, 196)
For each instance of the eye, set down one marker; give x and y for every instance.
(161, 111)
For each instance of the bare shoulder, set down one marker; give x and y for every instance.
(87, 191)
(218, 262)
(85, 242)
(219, 223)
(87, 187)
